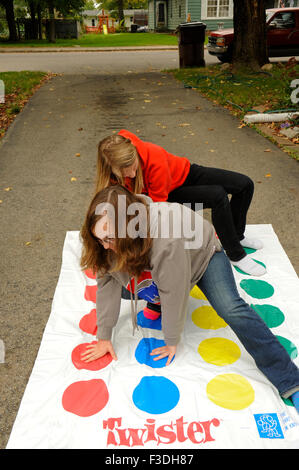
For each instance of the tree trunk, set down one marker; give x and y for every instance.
(120, 5)
(250, 34)
(39, 21)
(52, 37)
(33, 32)
(10, 18)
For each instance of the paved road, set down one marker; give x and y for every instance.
(90, 62)
(97, 62)
(69, 115)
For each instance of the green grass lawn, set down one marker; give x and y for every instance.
(243, 91)
(19, 86)
(102, 40)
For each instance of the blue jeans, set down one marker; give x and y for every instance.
(218, 285)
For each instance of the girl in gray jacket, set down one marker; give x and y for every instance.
(159, 255)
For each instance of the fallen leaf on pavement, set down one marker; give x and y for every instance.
(268, 150)
(268, 175)
(73, 178)
(7, 189)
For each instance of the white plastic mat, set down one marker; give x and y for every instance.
(211, 397)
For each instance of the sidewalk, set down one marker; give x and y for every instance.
(86, 49)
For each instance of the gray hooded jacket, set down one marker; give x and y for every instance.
(183, 244)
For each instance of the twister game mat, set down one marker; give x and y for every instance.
(211, 397)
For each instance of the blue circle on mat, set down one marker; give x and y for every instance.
(156, 395)
(142, 353)
(147, 322)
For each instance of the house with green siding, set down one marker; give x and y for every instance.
(168, 14)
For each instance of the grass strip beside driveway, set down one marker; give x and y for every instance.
(18, 86)
(245, 92)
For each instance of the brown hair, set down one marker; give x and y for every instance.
(132, 254)
(116, 152)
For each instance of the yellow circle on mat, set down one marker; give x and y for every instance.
(206, 317)
(219, 351)
(197, 293)
(230, 391)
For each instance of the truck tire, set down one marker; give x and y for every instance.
(227, 57)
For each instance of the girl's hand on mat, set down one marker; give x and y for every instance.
(95, 351)
(164, 351)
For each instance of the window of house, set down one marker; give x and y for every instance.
(92, 22)
(217, 9)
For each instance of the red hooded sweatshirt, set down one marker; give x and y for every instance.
(162, 171)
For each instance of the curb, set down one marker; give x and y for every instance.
(5, 50)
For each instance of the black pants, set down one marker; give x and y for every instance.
(211, 187)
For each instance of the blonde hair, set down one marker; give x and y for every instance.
(115, 153)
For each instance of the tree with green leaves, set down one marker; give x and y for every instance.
(117, 6)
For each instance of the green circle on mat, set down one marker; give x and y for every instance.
(288, 401)
(249, 251)
(243, 272)
(257, 289)
(271, 315)
(289, 346)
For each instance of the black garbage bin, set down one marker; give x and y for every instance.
(191, 44)
(134, 28)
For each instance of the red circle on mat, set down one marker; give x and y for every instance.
(89, 273)
(97, 364)
(85, 398)
(90, 293)
(88, 323)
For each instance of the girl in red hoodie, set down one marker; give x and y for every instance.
(144, 167)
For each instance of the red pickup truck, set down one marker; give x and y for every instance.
(282, 35)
